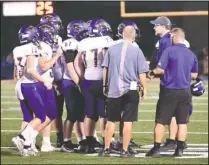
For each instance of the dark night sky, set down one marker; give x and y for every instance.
(196, 27)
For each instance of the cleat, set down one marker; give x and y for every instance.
(178, 153)
(133, 144)
(169, 145)
(47, 147)
(105, 152)
(154, 153)
(68, 147)
(126, 154)
(18, 142)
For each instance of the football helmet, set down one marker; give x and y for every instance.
(54, 20)
(99, 27)
(197, 88)
(77, 29)
(128, 23)
(47, 33)
(28, 33)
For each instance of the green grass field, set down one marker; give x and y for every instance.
(11, 118)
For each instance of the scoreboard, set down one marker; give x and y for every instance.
(27, 8)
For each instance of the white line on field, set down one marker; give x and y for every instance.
(144, 132)
(9, 102)
(193, 121)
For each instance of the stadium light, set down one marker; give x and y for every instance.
(157, 14)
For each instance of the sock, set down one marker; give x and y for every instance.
(60, 135)
(120, 139)
(171, 140)
(112, 139)
(81, 138)
(180, 144)
(66, 140)
(34, 134)
(95, 135)
(157, 145)
(46, 139)
(27, 132)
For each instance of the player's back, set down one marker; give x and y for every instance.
(92, 50)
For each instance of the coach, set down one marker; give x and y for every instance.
(124, 71)
(179, 65)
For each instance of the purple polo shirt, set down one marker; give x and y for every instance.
(178, 62)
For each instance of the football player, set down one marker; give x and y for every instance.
(58, 70)
(88, 66)
(46, 61)
(76, 31)
(27, 90)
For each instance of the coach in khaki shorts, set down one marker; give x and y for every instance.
(124, 65)
(178, 65)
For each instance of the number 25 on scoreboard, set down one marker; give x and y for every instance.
(44, 8)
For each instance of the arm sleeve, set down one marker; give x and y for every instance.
(70, 55)
(163, 62)
(106, 60)
(195, 65)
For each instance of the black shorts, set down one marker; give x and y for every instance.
(124, 108)
(173, 103)
(74, 101)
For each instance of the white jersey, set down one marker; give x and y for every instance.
(120, 40)
(46, 50)
(58, 68)
(69, 44)
(92, 55)
(20, 54)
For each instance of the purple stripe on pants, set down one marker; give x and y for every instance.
(34, 100)
(49, 98)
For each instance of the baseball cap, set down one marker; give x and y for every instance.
(161, 20)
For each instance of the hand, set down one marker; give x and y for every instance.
(150, 75)
(48, 85)
(143, 92)
(105, 90)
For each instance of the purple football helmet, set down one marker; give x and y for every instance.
(99, 27)
(128, 23)
(47, 33)
(197, 88)
(77, 29)
(54, 20)
(28, 33)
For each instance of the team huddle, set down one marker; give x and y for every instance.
(51, 71)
